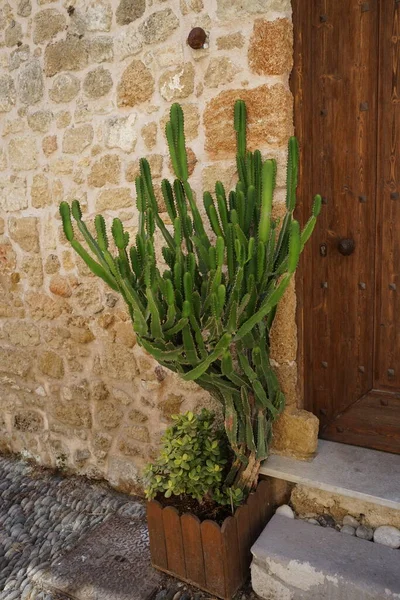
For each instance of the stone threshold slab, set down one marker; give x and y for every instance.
(294, 560)
(368, 475)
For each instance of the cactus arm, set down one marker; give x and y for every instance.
(292, 173)
(240, 127)
(95, 267)
(205, 364)
(266, 201)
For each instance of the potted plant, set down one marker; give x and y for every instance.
(206, 315)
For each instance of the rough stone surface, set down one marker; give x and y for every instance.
(106, 170)
(159, 26)
(120, 132)
(65, 88)
(221, 70)
(296, 433)
(70, 54)
(31, 83)
(294, 560)
(130, 10)
(23, 153)
(8, 93)
(97, 83)
(177, 83)
(136, 85)
(85, 90)
(76, 139)
(271, 47)
(311, 501)
(47, 23)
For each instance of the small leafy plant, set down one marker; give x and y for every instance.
(192, 461)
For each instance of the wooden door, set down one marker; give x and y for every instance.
(347, 116)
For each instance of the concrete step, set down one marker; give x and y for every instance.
(359, 473)
(294, 560)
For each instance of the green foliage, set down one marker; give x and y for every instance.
(207, 314)
(192, 461)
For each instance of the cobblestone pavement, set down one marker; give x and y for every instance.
(43, 516)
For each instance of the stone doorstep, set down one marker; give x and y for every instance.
(294, 560)
(360, 473)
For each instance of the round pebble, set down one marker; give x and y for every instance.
(387, 536)
(326, 520)
(352, 521)
(365, 533)
(285, 511)
(313, 521)
(348, 529)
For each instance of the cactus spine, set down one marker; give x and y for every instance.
(208, 314)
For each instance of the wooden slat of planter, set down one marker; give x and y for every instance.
(254, 515)
(156, 535)
(173, 541)
(193, 549)
(231, 554)
(213, 557)
(244, 537)
(264, 491)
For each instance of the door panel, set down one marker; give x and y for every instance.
(346, 111)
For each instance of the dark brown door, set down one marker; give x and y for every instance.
(347, 103)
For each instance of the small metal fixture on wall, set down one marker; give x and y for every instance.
(197, 38)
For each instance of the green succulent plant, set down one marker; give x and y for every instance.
(192, 461)
(207, 313)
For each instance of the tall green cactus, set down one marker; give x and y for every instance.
(207, 315)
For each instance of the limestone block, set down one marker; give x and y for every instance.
(270, 119)
(149, 135)
(13, 193)
(284, 330)
(97, 83)
(98, 15)
(101, 49)
(120, 132)
(24, 231)
(113, 199)
(76, 139)
(70, 54)
(65, 88)
(177, 83)
(28, 421)
(159, 26)
(22, 333)
(51, 364)
(295, 433)
(31, 83)
(49, 145)
(127, 42)
(230, 41)
(129, 10)
(40, 120)
(106, 170)
(24, 8)
(123, 475)
(221, 70)
(136, 85)
(271, 47)
(46, 24)
(13, 34)
(234, 9)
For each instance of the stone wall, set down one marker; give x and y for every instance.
(85, 87)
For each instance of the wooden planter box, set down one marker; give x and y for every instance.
(214, 558)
